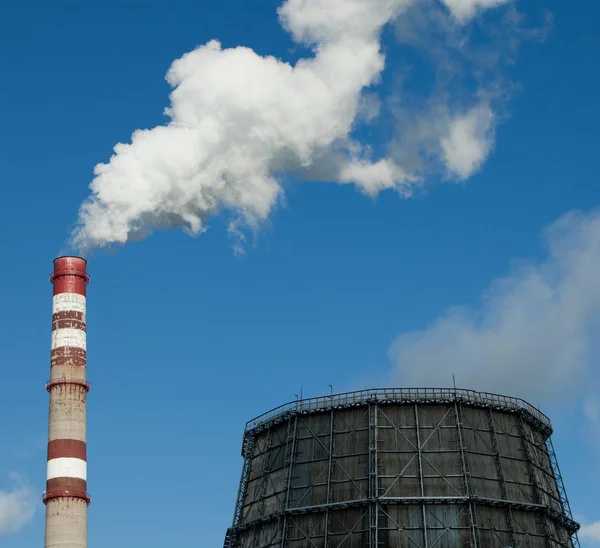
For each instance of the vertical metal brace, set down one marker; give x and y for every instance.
(373, 477)
(248, 452)
(248, 449)
(329, 476)
(289, 458)
(500, 471)
(230, 539)
(422, 487)
(537, 490)
(560, 487)
(266, 470)
(465, 473)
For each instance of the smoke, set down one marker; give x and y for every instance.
(17, 506)
(240, 122)
(534, 334)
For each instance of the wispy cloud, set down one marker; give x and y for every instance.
(466, 9)
(17, 506)
(468, 142)
(532, 336)
(448, 125)
(590, 532)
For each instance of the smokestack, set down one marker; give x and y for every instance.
(66, 497)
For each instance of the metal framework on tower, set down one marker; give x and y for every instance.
(401, 467)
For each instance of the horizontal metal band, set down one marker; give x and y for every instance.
(558, 517)
(54, 495)
(66, 487)
(74, 338)
(70, 283)
(67, 355)
(68, 301)
(67, 468)
(68, 381)
(393, 396)
(67, 448)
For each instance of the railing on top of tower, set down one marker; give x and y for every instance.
(400, 395)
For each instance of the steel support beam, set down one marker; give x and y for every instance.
(500, 473)
(465, 473)
(329, 475)
(373, 477)
(421, 485)
(290, 453)
(537, 489)
(560, 488)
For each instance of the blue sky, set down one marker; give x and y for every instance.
(187, 339)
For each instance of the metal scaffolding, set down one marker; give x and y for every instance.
(420, 468)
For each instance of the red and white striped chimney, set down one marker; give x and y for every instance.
(66, 497)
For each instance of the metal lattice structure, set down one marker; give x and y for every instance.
(395, 468)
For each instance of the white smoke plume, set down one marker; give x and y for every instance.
(17, 506)
(240, 121)
(534, 335)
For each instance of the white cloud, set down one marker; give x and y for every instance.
(469, 141)
(463, 10)
(239, 121)
(446, 121)
(533, 334)
(17, 506)
(590, 532)
(374, 177)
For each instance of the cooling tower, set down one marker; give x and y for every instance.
(66, 497)
(395, 468)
